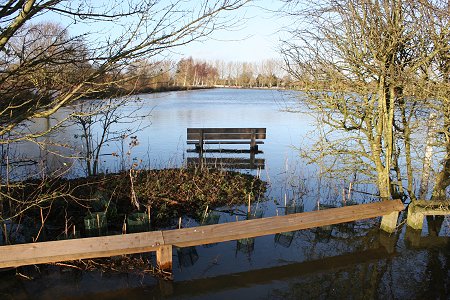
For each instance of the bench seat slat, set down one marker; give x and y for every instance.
(226, 130)
(194, 142)
(225, 136)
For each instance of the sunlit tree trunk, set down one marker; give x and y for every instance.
(443, 177)
(428, 155)
(406, 122)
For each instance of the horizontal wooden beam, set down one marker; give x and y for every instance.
(224, 142)
(225, 136)
(226, 130)
(225, 133)
(65, 250)
(258, 227)
(432, 203)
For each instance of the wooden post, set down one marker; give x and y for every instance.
(202, 136)
(252, 159)
(199, 148)
(389, 222)
(253, 146)
(415, 217)
(164, 258)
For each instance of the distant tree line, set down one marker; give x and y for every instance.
(190, 72)
(42, 60)
(267, 73)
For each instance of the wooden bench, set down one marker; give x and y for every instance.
(221, 136)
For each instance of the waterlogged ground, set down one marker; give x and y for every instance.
(358, 264)
(339, 262)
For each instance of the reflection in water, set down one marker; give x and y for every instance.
(247, 245)
(285, 238)
(187, 256)
(343, 261)
(360, 268)
(50, 155)
(162, 142)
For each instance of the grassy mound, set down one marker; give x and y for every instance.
(167, 193)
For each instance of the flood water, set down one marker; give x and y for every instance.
(348, 261)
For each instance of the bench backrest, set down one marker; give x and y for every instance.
(225, 133)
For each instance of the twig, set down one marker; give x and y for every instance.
(43, 221)
(68, 266)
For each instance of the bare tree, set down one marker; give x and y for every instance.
(103, 123)
(45, 66)
(437, 30)
(127, 30)
(362, 65)
(147, 76)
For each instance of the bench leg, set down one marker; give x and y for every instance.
(252, 160)
(253, 145)
(199, 145)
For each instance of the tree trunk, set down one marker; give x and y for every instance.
(383, 136)
(407, 141)
(428, 156)
(442, 179)
(382, 180)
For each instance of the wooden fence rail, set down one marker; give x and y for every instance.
(163, 241)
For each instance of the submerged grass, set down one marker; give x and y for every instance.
(168, 194)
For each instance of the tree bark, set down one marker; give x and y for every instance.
(424, 180)
(442, 179)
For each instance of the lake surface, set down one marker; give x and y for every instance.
(344, 261)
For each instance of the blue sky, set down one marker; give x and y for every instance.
(254, 38)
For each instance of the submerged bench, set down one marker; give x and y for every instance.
(221, 136)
